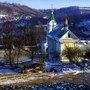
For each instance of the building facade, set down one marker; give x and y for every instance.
(61, 36)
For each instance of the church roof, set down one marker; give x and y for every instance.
(62, 32)
(59, 32)
(55, 31)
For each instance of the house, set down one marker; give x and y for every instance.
(62, 36)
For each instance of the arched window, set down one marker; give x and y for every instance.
(69, 35)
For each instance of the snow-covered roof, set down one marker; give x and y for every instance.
(59, 31)
(55, 31)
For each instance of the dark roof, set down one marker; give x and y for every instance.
(56, 31)
(62, 33)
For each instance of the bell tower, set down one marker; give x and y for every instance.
(66, 24)
(52, 23)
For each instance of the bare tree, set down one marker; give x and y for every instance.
(8, 41)
(30, 36)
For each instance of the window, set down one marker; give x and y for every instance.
(69, 35)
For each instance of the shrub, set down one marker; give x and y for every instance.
(73, 54)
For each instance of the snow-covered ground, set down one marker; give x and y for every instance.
(4, 80)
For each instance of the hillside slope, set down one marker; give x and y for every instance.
(82, 12)
(18, 10)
